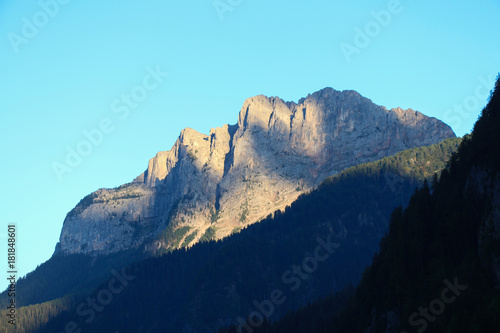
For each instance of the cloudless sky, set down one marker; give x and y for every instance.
(438, 57)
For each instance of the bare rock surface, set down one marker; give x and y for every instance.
(238, 174)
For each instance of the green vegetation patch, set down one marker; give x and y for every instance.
(189, 238)
(172, 237)
(244, 212)
(208, 235)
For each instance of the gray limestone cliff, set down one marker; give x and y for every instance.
(238, 174)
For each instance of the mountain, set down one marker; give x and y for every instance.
(213, 284)
(238, 174)
(211, 186)
(438, 268)
(208, 187)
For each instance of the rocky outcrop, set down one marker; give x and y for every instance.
(238, 174)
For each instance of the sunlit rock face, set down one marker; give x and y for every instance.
(238, 174)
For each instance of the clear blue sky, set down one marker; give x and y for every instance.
(66, 72)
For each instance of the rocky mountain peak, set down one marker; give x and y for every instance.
(238, 174)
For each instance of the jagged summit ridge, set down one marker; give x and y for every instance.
(238, 174)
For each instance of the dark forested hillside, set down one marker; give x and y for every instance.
(438, 268)
(56, 284)
(74, 273)
(450, 233)
(214, 284)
